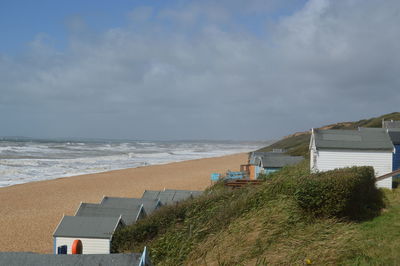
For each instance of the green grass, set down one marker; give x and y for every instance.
(263, 225)
(379, 239)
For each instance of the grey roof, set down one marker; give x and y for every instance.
(171, 196)
(151, 194)
(89, 227)
(188, 193)
(376, 129)
(279, 160)
(394, 133)
(196, 193)
(129, 214)
(183, 194)
(255, 156)
(166, 197)
(34, 259)
(362, 139)
(150, 205)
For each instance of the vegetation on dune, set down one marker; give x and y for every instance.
(260, 225)
(343, 193)
(372, 122)
(379, 239)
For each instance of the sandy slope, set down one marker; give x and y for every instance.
(29, 213)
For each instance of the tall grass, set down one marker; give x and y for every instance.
(253, 225)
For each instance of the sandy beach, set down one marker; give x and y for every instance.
(29, 213)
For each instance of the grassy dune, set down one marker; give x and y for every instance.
(263, 225)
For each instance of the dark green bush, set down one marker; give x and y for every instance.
(345, 193)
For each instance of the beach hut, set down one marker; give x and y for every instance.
(393, 128)
(395, 138)
(330, 149)
(149, 205)
(166, 198)
(269, 162)
(129, 214)
(170, 196)
(35, 259)
(272, 162)
(95, 233)
(253, 162)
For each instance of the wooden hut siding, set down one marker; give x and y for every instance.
(324, 160)
(252, 174)
(90, 245)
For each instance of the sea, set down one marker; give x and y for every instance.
(25, 160)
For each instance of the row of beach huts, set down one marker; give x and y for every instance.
(337, 148)
(93, 225)
(88, 234)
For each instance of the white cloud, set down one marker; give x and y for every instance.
(329, 61)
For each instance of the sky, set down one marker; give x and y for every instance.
(175, 70)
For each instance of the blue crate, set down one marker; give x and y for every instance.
(215, 177)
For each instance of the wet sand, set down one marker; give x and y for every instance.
(29, 213)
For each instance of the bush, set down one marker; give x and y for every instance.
(345, 193)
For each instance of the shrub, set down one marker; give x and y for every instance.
(345, 193)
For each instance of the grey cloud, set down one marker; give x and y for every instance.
(328, 62)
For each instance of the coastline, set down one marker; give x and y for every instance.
(31, 211)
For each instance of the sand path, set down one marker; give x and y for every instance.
(29, 213)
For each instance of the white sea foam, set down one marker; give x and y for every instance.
(27, 161)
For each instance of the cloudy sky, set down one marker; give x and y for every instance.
(229, 69)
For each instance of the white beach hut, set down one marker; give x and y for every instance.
(95, 233)
(330, 149)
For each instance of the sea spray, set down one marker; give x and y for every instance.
(26, 160)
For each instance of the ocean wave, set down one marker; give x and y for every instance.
(22, 162)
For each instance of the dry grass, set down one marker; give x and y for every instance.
(277, 235)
